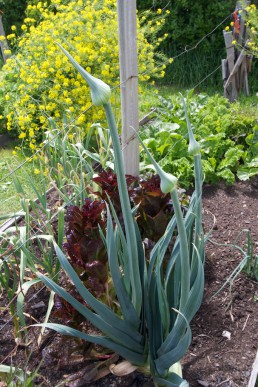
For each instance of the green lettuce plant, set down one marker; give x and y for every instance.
(227, 134)
(157, 298)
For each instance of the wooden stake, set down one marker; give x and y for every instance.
(129, 83)
(235, 68)
(231, 60)
(238, 63)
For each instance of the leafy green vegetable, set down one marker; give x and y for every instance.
(227, 133)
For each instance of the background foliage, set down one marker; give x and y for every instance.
(13, 13)
(39, 83)
(186, 25)
(227, 133)
(252, 22)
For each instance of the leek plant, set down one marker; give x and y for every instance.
(67, 158)
(18, 259)
(157, 298)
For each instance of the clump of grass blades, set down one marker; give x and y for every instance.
(69, 158)
(19, 260)
(248, 265)
(12, 376)
(157, 298)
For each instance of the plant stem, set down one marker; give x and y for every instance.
(184, 251)
(136, 287)
(198, 190)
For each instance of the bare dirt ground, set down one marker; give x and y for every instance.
(225, 330)
(215, 360)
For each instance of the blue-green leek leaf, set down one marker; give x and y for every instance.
(176, 351)
(109, 328)
(133, 357)
(105, 313)
(127, 308)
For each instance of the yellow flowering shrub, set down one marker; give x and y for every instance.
(251, 20)
(39, 82)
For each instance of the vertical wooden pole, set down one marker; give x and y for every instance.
(127, 28)
(225, 75)
(237, 65)
(230, 92)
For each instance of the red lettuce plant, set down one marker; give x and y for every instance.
(66, 312)
(155, 208)
(84, 244)
(107, 182)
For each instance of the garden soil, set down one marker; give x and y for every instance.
(225, 330)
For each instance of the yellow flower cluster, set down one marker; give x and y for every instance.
(251, 21)
(251, 8)
(39, 82)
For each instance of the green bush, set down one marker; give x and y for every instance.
(190, 21)
(186, 25)
(39, 82)
(252, 23)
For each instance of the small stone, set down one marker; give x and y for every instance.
(226, 334)
(39, 305)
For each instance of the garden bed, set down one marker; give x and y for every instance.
(213, 359)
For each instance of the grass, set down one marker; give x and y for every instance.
(9, 198)
(149, 96)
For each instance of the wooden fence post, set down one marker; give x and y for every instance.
(237, 65)
(230, 92)
(129, 83)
